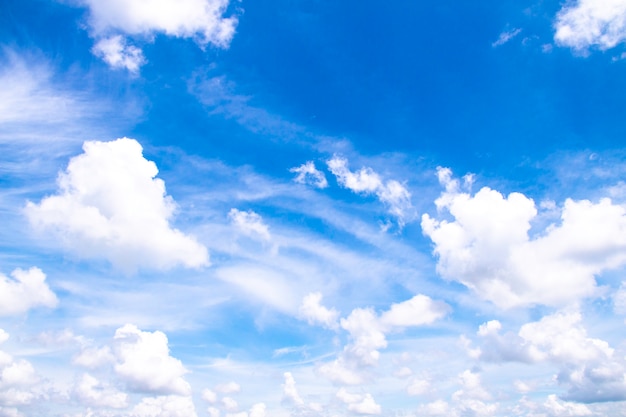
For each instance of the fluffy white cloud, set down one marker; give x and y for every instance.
(367, 181)
(249, 223)
(487, 246)
(90, 391)
(113, 20)
(143, 361)
(308, 174)
(582, 24)
(418, 311)
(26, 290)
(111, 206)
(359, 404)
(118, 54)
(17, 382)
(314, 313)
(165, 406)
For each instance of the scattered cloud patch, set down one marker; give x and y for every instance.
(308, 174)
(118, 54)
(249, 223)
(487, 246)
(366, 181)
(110, 205)
(359, 404)
(582, 24)
(25, 289)
(505, 37)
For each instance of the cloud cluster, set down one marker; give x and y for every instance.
(588, 367)
(110, 205)
(487, 246)
(582, 24)
(227, 404)
(112, 22)
(366, 181)
(17, 382)
(249, 223)
(367, 332)
(26, 290)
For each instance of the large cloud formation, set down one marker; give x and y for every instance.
(487, 246)
(112, 21)
(110, 205)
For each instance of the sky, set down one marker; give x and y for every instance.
(300, 208)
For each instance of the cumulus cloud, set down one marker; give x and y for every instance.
(249, 223)
(113, 21)
(143, 361)
(110, 205)
(588, 367)
(314, 313)
(26, 290)
(17, 382)
(367, 333)
(366, 181)
(165, 406)
(582, 24)
(308, 174)
(89, 391)
(359, 404)
(487, 246)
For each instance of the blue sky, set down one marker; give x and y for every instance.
(302, 208)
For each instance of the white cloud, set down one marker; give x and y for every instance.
(116, 52)
(619, 300)
(565, 408)
(417, 311)
(588, 367)
(582, 24)
(506, 36)
(144, 363)
(209, 396)
(249, 223)
(92, 392)
(418, 387)
(367, 332)
(111, 206)
(165, 406)
(359, 404)
(487, 246)
(228, 388)
(308, 174)
(315, 313)
(26, 290)
(113, 20)
(366, 181)
(290, 392)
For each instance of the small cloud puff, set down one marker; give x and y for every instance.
(308, 174)
(366, 181)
